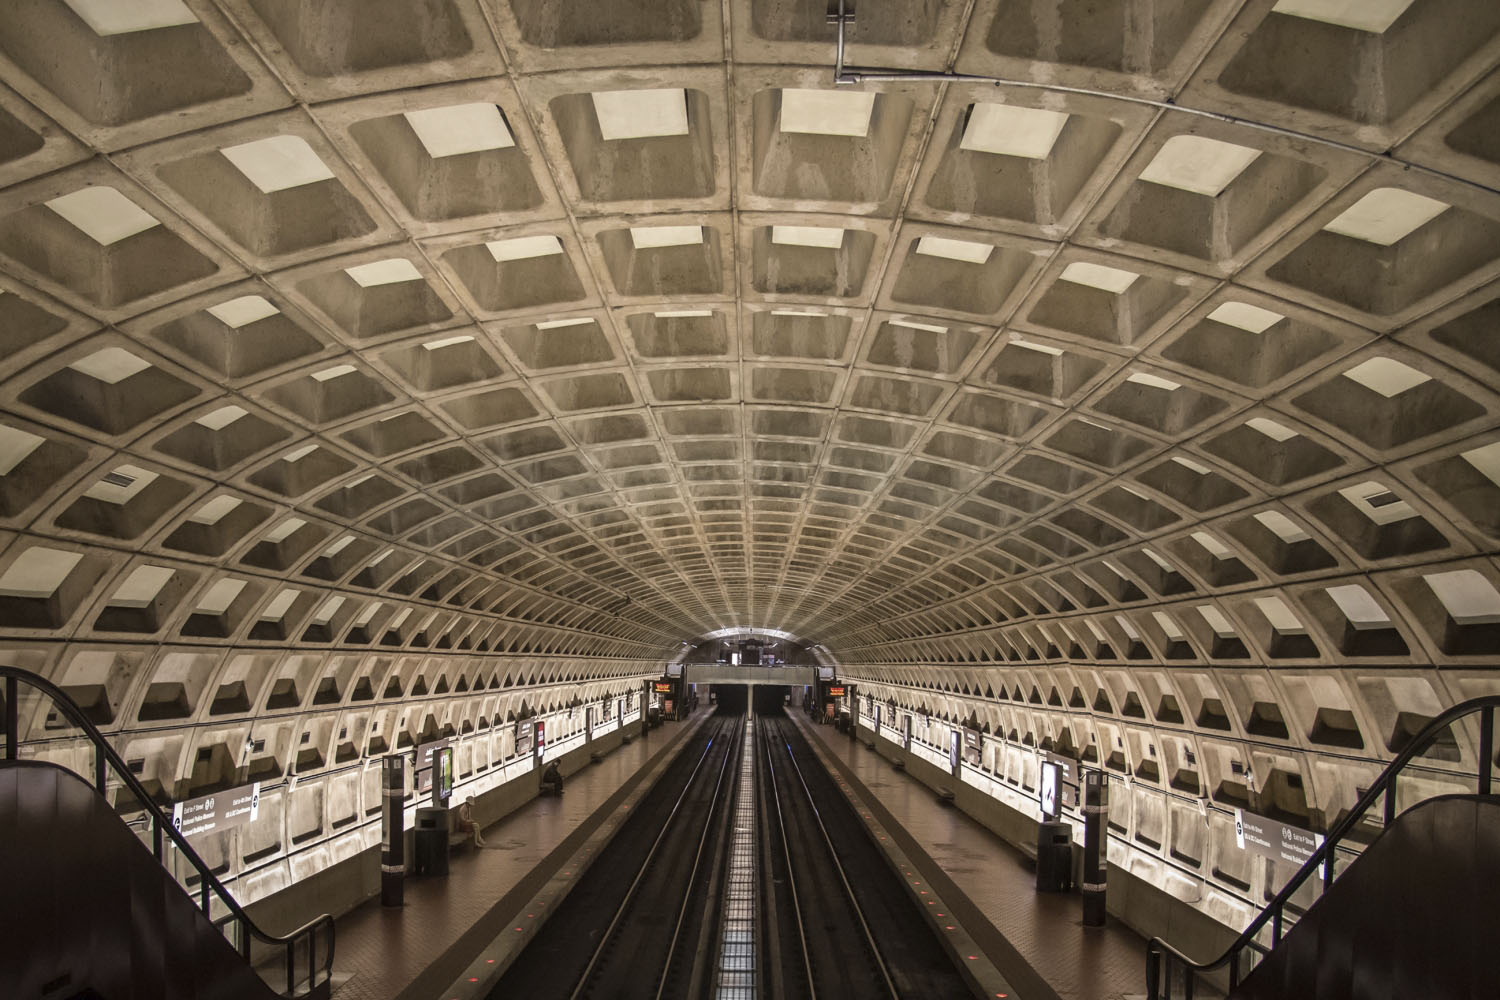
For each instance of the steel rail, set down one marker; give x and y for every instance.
(774, 795)
(731, 756)
(838, 867)
(607, 938)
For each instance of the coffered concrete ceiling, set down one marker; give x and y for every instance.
(532, 325)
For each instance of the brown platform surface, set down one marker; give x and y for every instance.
(418, 950)
(1036, 939)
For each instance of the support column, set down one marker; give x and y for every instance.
(393, 831)
(1095, 838)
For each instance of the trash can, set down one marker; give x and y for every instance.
(1054, 857)
(430, 856)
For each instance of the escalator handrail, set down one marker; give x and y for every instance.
(1383, 785)
(106, 753)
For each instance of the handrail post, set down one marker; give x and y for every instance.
(1390, 800)
(1486, 747)
(12, 721)
(156, 842)
(291, 966)
(1276, 927)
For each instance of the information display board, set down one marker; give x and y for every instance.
(217, 812)
(524, 738)
(972, 748)
(427, 754)
(1048, 795)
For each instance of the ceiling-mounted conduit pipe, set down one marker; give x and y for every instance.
(843, 15)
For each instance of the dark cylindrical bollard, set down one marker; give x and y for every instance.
(393, 832)
(1095, 836)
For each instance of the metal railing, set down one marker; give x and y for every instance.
(1162, 959)
(106, 759)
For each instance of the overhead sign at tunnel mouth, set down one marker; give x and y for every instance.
(217, 812)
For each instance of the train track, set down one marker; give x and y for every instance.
(839, 926)
(634, 931)
(833, 922)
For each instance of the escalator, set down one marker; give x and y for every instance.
(1414, 916)
(89, 911)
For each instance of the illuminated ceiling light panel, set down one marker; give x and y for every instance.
(438, 345)
(1011, 131)
(330, 608)
(1154, 381)
(279, 605)
(652, 237)
(911, 324)
(1216, 620)
(641, 114)
(798, 312)
(215, 510)
(524, 248)
(368, 613)
(329, 374)
(141, 587)
(1188, 463)
(1280, 616)
(558, 324)
(959, 250)
(1212, 545)
(15, 447)
(219, 597)
(823, 237)
(1108, 279)
(298, 454)
(684, 314)
(1486, 460)
(121, 17)
(103, 214)
(1377, 502)
(1468, 596)
(827, 112)
(111, 365)
(278, 163)
(1156, 557)
(1271, 429)
(1386, 216)
(1055, 352)
(1356, 605)
(384, 272)
(1168, 626)
(1282, 526)
(243, 311)
(38, 572)
(459, 129)
(127, 482)
(339, 546)
(1244, 316)
(1374, 16)
(1201, 166)
(284, 530)
(221, 418)
(1386, 376)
